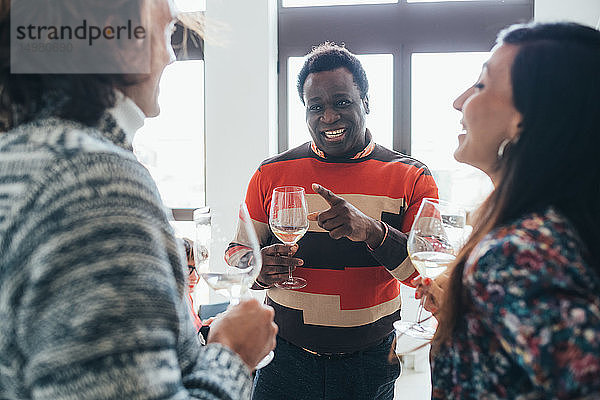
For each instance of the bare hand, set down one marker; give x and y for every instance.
(277, 259)
(247, 329)
(433, 289)
(342, 219)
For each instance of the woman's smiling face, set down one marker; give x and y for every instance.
(489, 115)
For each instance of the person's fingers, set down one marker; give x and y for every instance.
(270, 312)
(423, 286)
(431, 303)
(326, 194)
(247, 319)
(340, 232)
(280, 250)
(274, 269)
(329, 224)
(273, 329)
(313, 216)
(274, 278)
(279, 272)
(277, 261)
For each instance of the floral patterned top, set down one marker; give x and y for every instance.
(533, 328)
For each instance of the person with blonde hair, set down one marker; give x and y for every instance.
(93, 283)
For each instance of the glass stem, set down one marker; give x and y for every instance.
(420, 311)
(236, 296)
(290, 278)
(233, 299)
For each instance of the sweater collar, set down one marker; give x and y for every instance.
(361, 154)
(120, 123)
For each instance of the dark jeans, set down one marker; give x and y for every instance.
(295, 374)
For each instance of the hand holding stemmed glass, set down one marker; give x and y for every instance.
(235, 279)
(288, 221)
(435, 239)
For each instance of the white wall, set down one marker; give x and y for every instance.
(241, 105)
(583, 11)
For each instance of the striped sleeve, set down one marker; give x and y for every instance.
(258, 200)
(103, 313)
(392, 253)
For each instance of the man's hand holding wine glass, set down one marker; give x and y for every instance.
(277, 261)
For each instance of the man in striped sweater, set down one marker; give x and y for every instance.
(335, 334)
(92, 281)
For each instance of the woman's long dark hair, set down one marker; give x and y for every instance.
(556, 87)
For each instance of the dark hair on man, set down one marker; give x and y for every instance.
(556, 88)
(327, 57)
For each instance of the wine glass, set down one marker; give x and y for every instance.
(435, 238)
(202, 224)
(288, 221)
(243, 267)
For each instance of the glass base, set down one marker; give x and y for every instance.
(293, 283)
(414, 330)
(265, 361)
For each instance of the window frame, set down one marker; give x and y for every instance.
(192, 49)
(459, 27)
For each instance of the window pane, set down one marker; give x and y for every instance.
(171, 145)
(190, 5)
(313, 3)
(380, 72)
(446, 1)
(436, 125)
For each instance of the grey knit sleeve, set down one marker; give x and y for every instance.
(100, 292)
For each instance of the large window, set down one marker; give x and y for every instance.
(437, 79)
(316, 3)
(433, 50)
(190, 5)
(171, 146)
(440, 1)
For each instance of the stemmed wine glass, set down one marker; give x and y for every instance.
(235, 279)
(435, 238)
(288, 221)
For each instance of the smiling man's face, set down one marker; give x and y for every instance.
(335, 112)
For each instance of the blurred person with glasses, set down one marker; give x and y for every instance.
(193, 279)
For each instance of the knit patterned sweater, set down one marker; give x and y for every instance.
(92, 285)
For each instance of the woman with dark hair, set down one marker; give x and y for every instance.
(92, 280)
(519, 316)
(193, 279)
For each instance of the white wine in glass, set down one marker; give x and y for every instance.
(288, 234)
(434, 241)
(288, 219)
(431, 264)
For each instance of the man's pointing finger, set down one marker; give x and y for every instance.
(327, 194)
